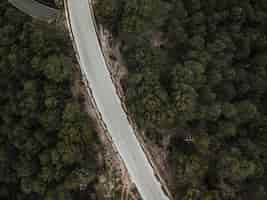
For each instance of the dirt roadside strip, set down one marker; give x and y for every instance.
(87, 86)
(119, 94)
(133, 124)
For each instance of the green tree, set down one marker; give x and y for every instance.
(227, 129)
(229, 111)
(185, 100)
(246, 111)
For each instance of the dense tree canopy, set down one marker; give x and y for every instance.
(207, 77)
(46, 141)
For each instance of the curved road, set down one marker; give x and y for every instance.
(35, 9)
(93, 66)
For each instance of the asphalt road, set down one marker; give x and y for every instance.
(108, 103)
(35, 9)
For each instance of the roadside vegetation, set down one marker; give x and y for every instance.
(198, 73)
(47, 143)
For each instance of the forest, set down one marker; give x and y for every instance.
(198, 70)
(47, 142)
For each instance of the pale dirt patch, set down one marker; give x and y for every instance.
(158, 40)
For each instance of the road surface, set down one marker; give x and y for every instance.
(108, 103)
(35, 9)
